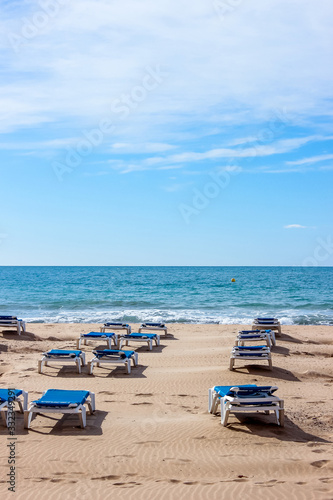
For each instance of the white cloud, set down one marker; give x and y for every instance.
(295, 226)
(234, 71)
(312, 159)
(149, 147)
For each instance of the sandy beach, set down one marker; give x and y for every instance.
(152, 437)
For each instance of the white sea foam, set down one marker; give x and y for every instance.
(173, 316)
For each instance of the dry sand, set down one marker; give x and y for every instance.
(152, 437)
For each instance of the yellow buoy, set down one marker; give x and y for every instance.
(233, 280)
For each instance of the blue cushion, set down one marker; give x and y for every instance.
(62, 352)
(250, 337)
(5, 394)
(116, 324)
(252, 347)
(98, 334)
(113, 352)
(248, 331)
(224, 390)
(161, 325)
(271, 320)
(140, 335)
(62, 398)
(246, 390)
(8, 318)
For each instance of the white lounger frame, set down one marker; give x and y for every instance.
(143, 340)
(235, 355)
(79, 409)
(153, 328)
(115, 327)
(109, 340)
(79, 360)
(114, 361)
(270, 326)
(261, 337)
(23, 405)
(13, 323)
(232, 404)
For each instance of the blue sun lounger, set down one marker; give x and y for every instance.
(245, 398)
(255, 336)
(108, 336)
(260, 352)
(145, 338)
(61, 401)
(12, 322)
(153, 326)
(271, 323)
(8, 398)
(62, 356)
(113, 356)
(115, 326)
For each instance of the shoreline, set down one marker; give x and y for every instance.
(152, 436)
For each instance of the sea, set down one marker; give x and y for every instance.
(295, 295)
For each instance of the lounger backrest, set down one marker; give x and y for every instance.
(161, 325)
(266, 320)
(111, 353)
(253, 391)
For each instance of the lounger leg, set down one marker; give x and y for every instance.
(90, 367)
(210, 400)
(25, 400)
(120, 344)
(27, 418)
(150, 345)
(108, 340)
(157, 340)
(40, 366)
(224, 413)
(128, 366)
(281, 414)
(279, 330)
(135, 359)
(78, 343)
(18, 327)
(83, 359)
(91, 403)
(231, 366)
(268, 341)
(83, 417)
(78, 365)
(270, 365)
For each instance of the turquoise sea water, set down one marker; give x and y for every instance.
(296, 295)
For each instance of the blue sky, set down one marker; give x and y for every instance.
(166, 133)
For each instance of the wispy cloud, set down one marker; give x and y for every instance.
(311, 159)
(258, 150)
(138, 148)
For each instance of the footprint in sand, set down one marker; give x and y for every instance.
(326, 479)
(105, 478)
(143, 403)
(319, 463)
